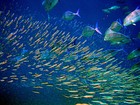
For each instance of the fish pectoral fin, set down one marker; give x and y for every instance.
(132, 21)
(134, 24)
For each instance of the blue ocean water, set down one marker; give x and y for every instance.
(35, 73)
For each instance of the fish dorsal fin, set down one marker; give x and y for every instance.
(138, 7)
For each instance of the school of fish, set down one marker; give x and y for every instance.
(51, 57)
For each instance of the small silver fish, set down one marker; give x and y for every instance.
(106, 10)
(115, 7)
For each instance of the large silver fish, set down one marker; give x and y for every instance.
(132, 18)
(112, 8)
(116, 37)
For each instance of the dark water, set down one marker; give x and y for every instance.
(21, 93)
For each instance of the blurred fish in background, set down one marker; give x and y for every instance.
(49, 5)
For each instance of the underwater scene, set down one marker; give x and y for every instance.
(69, 52)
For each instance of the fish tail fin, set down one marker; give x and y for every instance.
(97, 30)
(77, 13)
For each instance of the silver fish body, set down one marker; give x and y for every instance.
(132, 18)
(88, 31)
